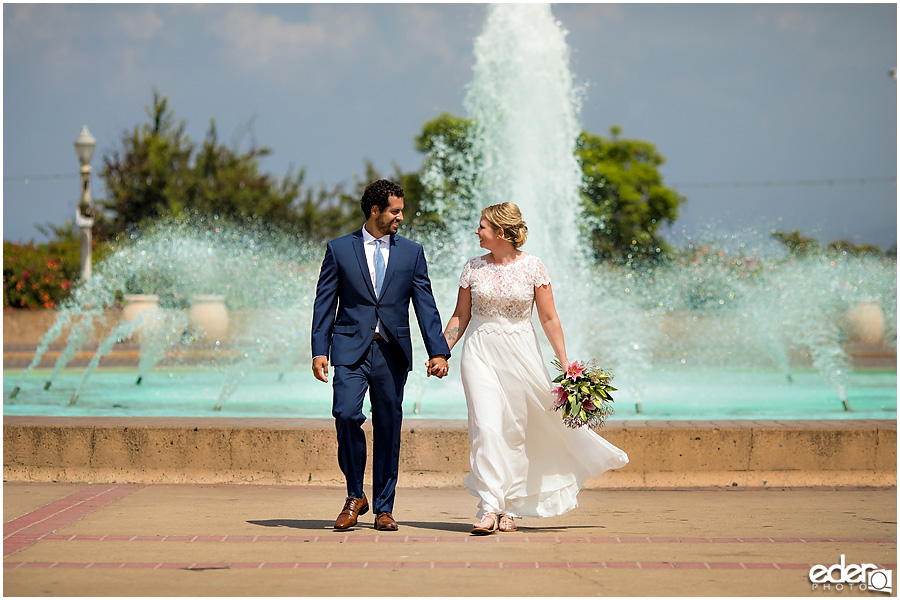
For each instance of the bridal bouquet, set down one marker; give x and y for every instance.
(583, 394)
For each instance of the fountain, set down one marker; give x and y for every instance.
(734, 327)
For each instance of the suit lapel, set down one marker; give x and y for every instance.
(363, 264)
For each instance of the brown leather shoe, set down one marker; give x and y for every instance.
(353, 507)
(385, 522)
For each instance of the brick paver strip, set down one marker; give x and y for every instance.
(616, 565)
(209, 566)
(27, 529)
(395, 539)
(414, 565)
(73, 565)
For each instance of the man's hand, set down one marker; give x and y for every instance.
(437, 366)
(320, 368)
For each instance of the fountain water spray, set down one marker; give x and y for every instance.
(735, 300)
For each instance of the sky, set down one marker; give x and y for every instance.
(770, 116)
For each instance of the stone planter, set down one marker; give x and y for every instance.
(209, 317)
(141, 306)
(865, 323)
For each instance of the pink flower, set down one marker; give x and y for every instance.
(575, 370)
(562, 396)
(588, 404)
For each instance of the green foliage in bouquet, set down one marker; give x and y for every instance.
(583, 394)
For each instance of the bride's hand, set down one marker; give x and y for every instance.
(565, 365)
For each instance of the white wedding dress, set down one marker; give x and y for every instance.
(524, 461)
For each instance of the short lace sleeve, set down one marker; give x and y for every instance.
(465, 278)
(541, 277)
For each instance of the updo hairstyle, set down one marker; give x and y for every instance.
(508, 217)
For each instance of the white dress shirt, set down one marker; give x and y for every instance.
(369, 247)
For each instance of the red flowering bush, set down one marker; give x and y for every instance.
(40, 275)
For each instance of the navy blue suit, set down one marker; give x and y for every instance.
(345, 314)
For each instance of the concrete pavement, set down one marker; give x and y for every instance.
(77, 539)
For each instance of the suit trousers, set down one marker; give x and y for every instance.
(382, 371)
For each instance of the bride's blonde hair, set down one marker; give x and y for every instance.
(508, 217)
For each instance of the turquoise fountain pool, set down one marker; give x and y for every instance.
(668, 394)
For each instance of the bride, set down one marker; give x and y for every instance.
(524, 461)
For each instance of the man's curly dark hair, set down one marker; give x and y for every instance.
(377, 194)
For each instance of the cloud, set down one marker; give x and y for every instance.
(59, 44)
(807, 21)
(46, 39)
(140, 22)
(254, 41)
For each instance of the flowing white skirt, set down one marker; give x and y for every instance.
(524, 461)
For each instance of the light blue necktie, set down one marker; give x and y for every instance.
(379, 267)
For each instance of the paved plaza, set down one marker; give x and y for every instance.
(72, 539)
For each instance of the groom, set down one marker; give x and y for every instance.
(361, 320)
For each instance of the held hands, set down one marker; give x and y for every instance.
(437, 366)
(320, 368)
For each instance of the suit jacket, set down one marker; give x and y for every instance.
(346, 309)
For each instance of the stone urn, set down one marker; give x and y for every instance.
(209, 317)
(865, 323)
(141, 306)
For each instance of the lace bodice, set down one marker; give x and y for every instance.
(504, 291)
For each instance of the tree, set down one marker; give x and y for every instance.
(623, 193)
(446, 179)
(157, 172)
(797, 243)
(225, 181)
(624, 196)
(151, 175)
(848, 247)
(801, 245)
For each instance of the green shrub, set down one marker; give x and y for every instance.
(39, 275)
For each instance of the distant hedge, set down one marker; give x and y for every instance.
(39, 275)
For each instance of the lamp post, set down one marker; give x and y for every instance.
(84, 220)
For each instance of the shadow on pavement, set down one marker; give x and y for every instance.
(319, 525)
(315, 525)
